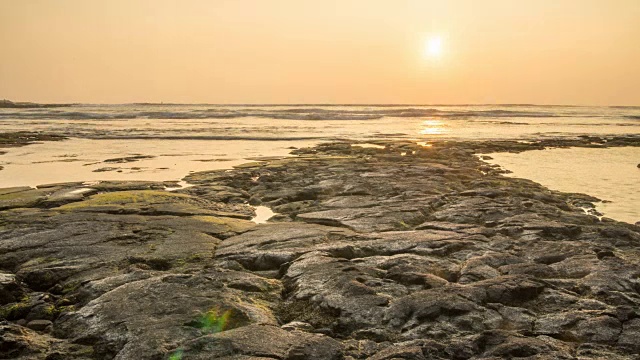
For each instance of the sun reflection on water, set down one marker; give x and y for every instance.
(432, 127)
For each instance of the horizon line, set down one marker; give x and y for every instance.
(61, 104)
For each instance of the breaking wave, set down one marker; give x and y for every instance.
(311, 113)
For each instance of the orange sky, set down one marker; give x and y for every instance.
(326, 51)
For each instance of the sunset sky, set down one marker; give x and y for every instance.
(583, 52)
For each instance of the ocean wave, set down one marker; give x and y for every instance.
(311, 113)
(207, 137)
(626, 107)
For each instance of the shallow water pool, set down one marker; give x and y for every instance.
(610, 174)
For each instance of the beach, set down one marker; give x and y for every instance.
(320, 180)
(166, 142)
(375, 249)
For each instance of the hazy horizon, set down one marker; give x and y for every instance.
(498, 52)
(170, 103)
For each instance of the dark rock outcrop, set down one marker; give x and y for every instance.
(430, 255)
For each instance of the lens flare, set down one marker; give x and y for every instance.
(213, 321)
(177, 355)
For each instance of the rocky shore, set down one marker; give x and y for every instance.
(16, 139)
(401, 252)
(7, 104)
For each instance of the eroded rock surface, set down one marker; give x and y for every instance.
(374, 255)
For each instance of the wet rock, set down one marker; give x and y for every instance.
(428, 305)
(106, 169)
(501, 346)
(515, 318)
(14, 190)
(360, 349)
(108, 186)
(540, 271)
(120, 323)
(270, 246)
(580, 326)
(23, 138)
(399, 352)
(67, 195)
(17, 342)
(550, 258)
(128, 159)
(148, 202)
(511, 290)
(376, 255)
(10, 289)
(264, 341)
(21, 197)
(630, 334)
(366, 219)
(297, 325)
(601, 254)
(603, 329)
(39, 325)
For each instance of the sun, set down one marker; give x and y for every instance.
(433, 47)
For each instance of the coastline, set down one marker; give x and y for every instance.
(373, 254)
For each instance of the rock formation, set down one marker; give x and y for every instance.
(374, 255)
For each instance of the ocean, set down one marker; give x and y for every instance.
(172, 140)
(321, 122)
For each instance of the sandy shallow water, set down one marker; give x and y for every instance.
(169, 160)
(171, 141)
(610, 174)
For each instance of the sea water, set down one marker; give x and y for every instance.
(178, 139)
(610, 174)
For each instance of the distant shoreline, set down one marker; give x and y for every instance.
(8, 104)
